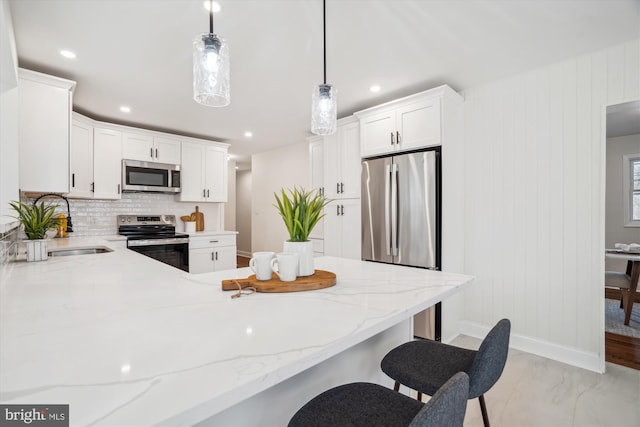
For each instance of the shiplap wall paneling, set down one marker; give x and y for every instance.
(534, 202)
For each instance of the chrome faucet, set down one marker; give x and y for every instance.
(69, 228)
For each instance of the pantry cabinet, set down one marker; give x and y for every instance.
(407, 124)
(212, 253)
(149, 148)
(44, 122)
(204, 172)
(342, 229)
(342, 161)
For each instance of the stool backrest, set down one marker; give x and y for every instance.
(490, 360)
(447, 406)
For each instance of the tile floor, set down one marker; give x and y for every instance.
(534, 391)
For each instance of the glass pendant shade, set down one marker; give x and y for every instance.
(211, 71)
(324, 110)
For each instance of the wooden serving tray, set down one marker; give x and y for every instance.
(318, 280)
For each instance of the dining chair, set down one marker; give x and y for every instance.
(622, 281)
(424, 365)
(371, 405)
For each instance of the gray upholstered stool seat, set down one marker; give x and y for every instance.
(615, 279)
(425, 365)
(370, 405)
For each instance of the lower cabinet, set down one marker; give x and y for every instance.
(212, 253)
(342, 229)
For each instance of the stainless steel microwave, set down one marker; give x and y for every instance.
(140, 176)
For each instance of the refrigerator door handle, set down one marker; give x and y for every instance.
(394, 209)
(387, 207)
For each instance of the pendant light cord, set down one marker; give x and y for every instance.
(324, 38)
(210, 16)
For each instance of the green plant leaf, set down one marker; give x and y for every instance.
(300, 210)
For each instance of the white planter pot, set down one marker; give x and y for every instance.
(305, 256)
(36, 250)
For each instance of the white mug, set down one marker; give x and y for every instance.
(285, 265)
(261, 264)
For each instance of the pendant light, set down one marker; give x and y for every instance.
(324, 102)
(211, 68)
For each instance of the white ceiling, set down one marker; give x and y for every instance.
(138, 52)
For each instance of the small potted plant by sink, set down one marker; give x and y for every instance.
(301, 210)
(36, 220)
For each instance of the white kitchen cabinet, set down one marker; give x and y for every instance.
(342, 161)
(406, 124)
(342, 229)
(107, 164)
(316, 161)
(81, 160)
(44, 122)
(150, 148)
(212, 253)
(203, 173)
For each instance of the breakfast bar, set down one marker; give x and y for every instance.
(126, 340)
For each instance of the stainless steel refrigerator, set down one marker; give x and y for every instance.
(401, 217)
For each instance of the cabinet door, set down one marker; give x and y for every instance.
(137, 147)
(316, 160)
(192, 173)
(349, 145)
(216, 175)
(225, 258)
(166, 150)
(107, 163)
(81, 160)
(351, 237)
(201, 260)
(378, 133)
(419, 124)
(332, 175)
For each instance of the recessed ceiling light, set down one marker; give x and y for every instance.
(248, 134)
(216, 6)
(375, 88)
(125, 109)
(67, 54)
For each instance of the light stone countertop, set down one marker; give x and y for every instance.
(127, 340)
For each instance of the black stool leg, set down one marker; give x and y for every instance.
(396, 386)
(483, 408)
(419, 396)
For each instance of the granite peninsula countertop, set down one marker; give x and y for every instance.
(127, 340)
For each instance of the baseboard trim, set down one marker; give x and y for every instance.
(568, 355)
(244, 254)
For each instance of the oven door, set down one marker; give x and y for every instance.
(174, 252)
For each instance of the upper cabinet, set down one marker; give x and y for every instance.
(44, 117)
(149, 148)
(342, 161)
(107, 163)
(204, 172)
(81, 160)
(405, 124)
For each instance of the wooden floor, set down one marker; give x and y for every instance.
(621, 349)
(242, 261)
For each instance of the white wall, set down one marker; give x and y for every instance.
(230, 207)
(286, 167)
(243, 212)
(615, 231)
(534, 202)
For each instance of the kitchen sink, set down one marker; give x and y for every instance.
(80, 251)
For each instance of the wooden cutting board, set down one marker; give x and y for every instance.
(199, 218)
(318, 280)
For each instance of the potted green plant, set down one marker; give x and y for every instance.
(36, 220)
(300, 210)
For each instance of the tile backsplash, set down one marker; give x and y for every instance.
(98, 217)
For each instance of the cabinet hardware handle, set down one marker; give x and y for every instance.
(151, 152)
(156, 153)
(118, 188)
(213, 241)
(397, 137)
(337, 187)
(216, 255)
(204, 192)
(93, 187)
(73, 180)
(342, 210)
(212, 256)
(342, 187)
(207, 192)
(392, 141)
(338, 210)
